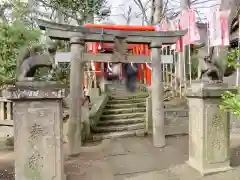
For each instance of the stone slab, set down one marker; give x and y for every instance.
(38, 139)
(154, 175)
(140, 156)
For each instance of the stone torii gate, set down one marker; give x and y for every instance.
(78, 36)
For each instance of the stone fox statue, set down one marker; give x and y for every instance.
(215, 68)
(31, 59)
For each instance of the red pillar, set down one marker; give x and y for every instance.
(95, 51)
(148, 71)
(140, 51)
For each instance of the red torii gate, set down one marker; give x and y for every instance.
(144, 73)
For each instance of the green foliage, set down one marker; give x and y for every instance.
(12, 11)
(81, 10)
(63, 73)
(231, 103)
(232, 56)
(12, 38)
(194, 62)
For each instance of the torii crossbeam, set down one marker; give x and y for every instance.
(66, 32)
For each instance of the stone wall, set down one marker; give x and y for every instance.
(97, 109)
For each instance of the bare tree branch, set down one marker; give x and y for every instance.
(143, 10)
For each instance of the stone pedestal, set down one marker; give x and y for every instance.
(209, 148)
(37, 115)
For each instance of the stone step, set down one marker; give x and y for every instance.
(119, 127)
(176, 112)
(127, 101)
(121, 121)
(130, 105)
(122, 116)
(128, 96)
(120, 134)
(124, 110)
(121, 94)
(123, 90)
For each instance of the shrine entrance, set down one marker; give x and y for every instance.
(169, 56)
(78, 36)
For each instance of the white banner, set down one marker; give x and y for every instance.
(224, 27)
(215, 37)
(218, 28)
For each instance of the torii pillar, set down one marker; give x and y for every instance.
(157, 89)
(76, 77)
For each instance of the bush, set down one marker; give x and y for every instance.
(12, 38)
(230, 101)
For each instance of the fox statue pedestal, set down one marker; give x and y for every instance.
(209, 136)
(37, 116)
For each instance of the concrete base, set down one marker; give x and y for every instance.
(220, 168)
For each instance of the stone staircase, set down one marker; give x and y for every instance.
(124, 115)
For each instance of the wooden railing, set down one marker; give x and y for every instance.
(5, 109)
(176, 85)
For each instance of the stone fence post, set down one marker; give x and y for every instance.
(209, 134)
(37, 115)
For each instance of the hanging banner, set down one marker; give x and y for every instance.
(218, 28)
(179, 42)
(162, 26)
(215, 29)
(172, 27)
(188, 22)
(184, 25)
(193, 29)
(224, 15)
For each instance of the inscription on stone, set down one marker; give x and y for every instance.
(37, 93)
(216, 142)
(40, 127)
(37, 130)
(34, 160)
(216, 123)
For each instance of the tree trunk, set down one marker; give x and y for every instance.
(152, 11)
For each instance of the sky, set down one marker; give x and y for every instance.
(120, 7)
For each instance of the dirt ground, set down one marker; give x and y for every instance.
(6, 164)
(132, 158)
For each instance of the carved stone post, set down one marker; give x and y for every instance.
(37, 116)
(209, 148)
(76, 95)
(157, 96)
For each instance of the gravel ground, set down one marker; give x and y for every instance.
(6, 171)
